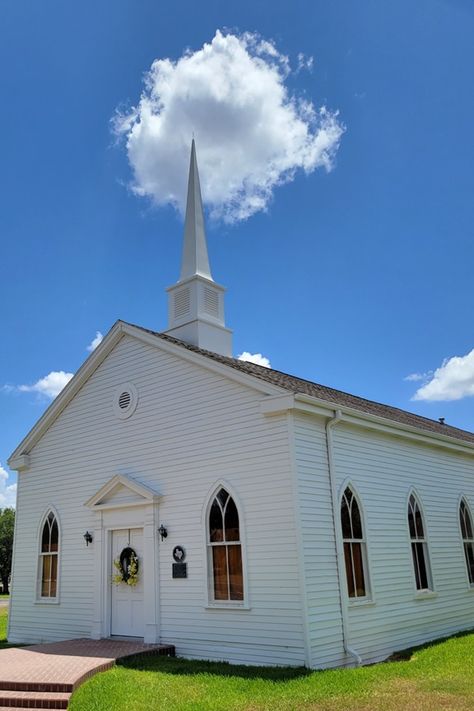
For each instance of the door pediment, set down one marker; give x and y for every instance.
(122, 492)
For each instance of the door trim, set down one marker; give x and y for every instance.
(143, 516)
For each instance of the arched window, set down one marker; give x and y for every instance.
(467, 533)
(49, 552)
(419, 545)
(225, 548)
(355, 549)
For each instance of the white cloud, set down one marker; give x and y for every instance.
(95, 342)
(251, 133)
(7, 491)
(51, 385)
(453, 380)
(256, 358)
(417, 377)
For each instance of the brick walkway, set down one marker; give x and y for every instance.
(45, 675)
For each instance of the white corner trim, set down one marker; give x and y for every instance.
(148, 495)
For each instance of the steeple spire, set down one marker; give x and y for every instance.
(195, 259)
(196, 302)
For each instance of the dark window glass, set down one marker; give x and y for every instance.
(216, 525)
(356, 522)
(469, 552)
(419, 563)
(45, 542)
(222, 496)
(231, 522)
(345, 518)
(349, 570)
(54, 537)
(358, 569)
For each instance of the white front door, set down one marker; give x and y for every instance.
(127, 600)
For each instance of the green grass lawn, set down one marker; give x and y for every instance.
(438, 677)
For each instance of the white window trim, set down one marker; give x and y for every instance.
(429, 592)
(39, 599)
(463, 540)
(209, 601)
(368, 598)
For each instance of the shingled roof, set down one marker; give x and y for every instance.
(334, 397)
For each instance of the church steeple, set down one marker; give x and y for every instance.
(196, 302)
(195, 258)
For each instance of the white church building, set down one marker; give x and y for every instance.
(174, 493)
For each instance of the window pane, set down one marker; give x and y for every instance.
(349, 575)
(236, 580)
(45, 538)
(54, 536)
(356, 522)
(219, 566)
(345, 518)
(358, 569)
(419, 562)
(54, 575)
(469, 551)
(45, 575)
(411, 522)
(419, 523)
(231, 522)
(222, 496)
(216, 532)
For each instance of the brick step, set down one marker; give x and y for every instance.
(35, 687)
(33, 700)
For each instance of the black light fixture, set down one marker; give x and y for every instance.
(88, 537)
(163, 532)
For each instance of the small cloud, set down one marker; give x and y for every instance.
(95, 342)
(416, 377)
(453, 380)
(7, 491)
(50, 386)
(304, 62)
(256, 358)
(252, 133)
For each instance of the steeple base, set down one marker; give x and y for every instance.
(217, 339)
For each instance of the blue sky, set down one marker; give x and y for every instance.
(355, 278)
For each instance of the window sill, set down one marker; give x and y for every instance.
(223, 606)
(425, 595)
(47, 601)
(361, 603)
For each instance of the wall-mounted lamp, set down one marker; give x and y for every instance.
(163, 532)
(88, 537)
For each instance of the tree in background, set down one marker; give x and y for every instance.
(7, 523)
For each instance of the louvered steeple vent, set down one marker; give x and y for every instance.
(196, 302)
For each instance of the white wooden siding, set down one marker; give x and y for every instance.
(191, 429)
(383, 469)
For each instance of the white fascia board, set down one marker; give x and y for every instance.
(363, 419)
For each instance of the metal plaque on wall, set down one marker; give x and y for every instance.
(180, 570)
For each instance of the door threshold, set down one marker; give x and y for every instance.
(125, 638)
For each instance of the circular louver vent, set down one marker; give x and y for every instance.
(125, 400)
